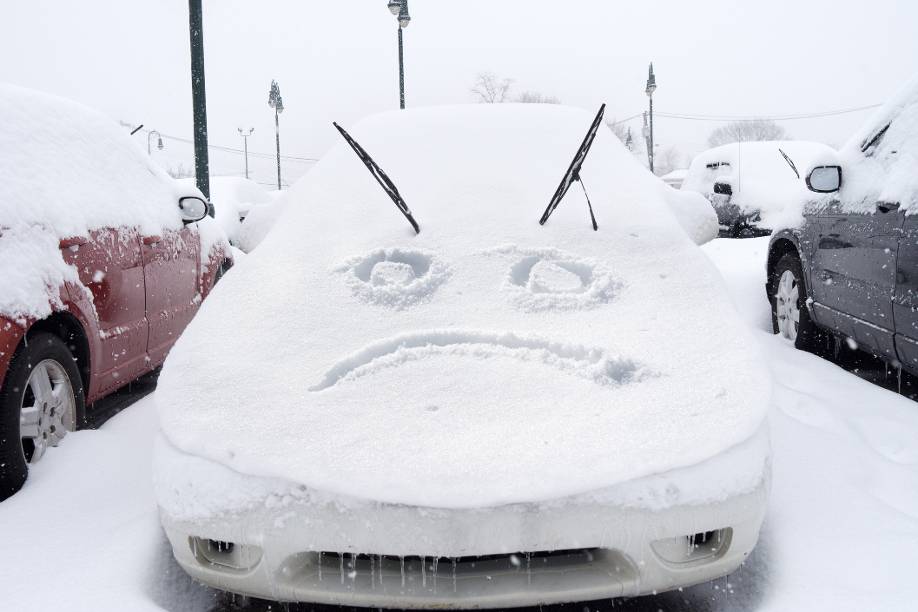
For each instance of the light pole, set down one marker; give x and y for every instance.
(245, 145)
(651, 87)
(198, 100)
(159, 141)
(277, 103)
(399, 8)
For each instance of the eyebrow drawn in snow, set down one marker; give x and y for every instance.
(593, 364)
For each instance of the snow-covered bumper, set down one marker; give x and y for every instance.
(303, 546)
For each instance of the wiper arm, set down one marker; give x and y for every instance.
(384, 181)
(573, 172)
(789, 161)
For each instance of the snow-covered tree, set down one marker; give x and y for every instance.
(745, 131)
(534, 97)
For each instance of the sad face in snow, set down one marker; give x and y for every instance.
(537, 281)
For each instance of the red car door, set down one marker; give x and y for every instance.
(109, 264)
(170, 265)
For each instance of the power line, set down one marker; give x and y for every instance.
(788, 117)
(293, 158)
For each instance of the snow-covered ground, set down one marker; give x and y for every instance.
(841, 533)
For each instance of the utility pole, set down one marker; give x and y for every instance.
(245, 145)
(277, 103)
(651, 87)
(199, 102)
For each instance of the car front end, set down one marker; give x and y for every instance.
(283, 542)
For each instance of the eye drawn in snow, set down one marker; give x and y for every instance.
(593, 364)
(549, 279)
(395, 278)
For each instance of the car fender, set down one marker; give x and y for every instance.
(778, 245)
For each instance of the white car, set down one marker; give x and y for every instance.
(757, 187)
(487, 412)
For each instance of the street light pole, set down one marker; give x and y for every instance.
(276, 102)
(245, 145)
(651, 87)
(159, 141)
(399, 8)
(199, 102)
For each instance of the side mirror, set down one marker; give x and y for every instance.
(824, 179)
(192, 208)
(723, 188)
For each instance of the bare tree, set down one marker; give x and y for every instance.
(534, 97)
(745, 131)
(666, 160)
(180, 171)
(491, 89)
(619, 129)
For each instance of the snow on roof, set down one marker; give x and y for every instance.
(762, 180)
(880, 161)
(64, 170)
(486, 360)
(71, 169)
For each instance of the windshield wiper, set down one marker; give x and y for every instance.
(573, 172)
(790, 161)
(384, 181)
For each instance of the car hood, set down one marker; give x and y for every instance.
(486, 360)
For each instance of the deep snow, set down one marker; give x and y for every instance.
(841, 533)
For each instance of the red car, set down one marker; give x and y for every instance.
(103, 262)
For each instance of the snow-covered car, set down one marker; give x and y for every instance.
(756, 187)
(847, 270)
(491, 412)
(103, 261)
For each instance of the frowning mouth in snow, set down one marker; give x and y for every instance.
(591, 363)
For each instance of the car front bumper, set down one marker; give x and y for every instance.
(317, 549)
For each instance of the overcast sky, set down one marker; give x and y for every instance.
(337, 60)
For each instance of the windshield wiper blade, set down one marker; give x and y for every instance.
(573, 172)
(384, 181)
(789, 161)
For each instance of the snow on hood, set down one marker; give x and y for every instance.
(762, 180)
(65, 170)
(487, 360)
(880, 162)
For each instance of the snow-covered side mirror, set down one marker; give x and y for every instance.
(824, 179)
(192, 208)
(723, 188)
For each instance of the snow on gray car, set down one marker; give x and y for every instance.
(484, 411)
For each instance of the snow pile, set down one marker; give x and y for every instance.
(880, 162)
(32, 272)
(66, 170)
(761, 179)
(694, 213)
(488, 359)
(259, 222)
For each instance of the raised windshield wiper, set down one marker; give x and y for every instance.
(573, 172)
(790, 162)
(384, 181)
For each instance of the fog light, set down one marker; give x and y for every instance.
(227, 555)
(698, 547)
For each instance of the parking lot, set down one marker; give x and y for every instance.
(841, 531)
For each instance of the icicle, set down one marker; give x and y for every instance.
(423, 571)
(435, 561)
(380, 559)
(341, 566)
(528, 568)
(455, 563)
(372, 573)
(320, 566)
(401, 561)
